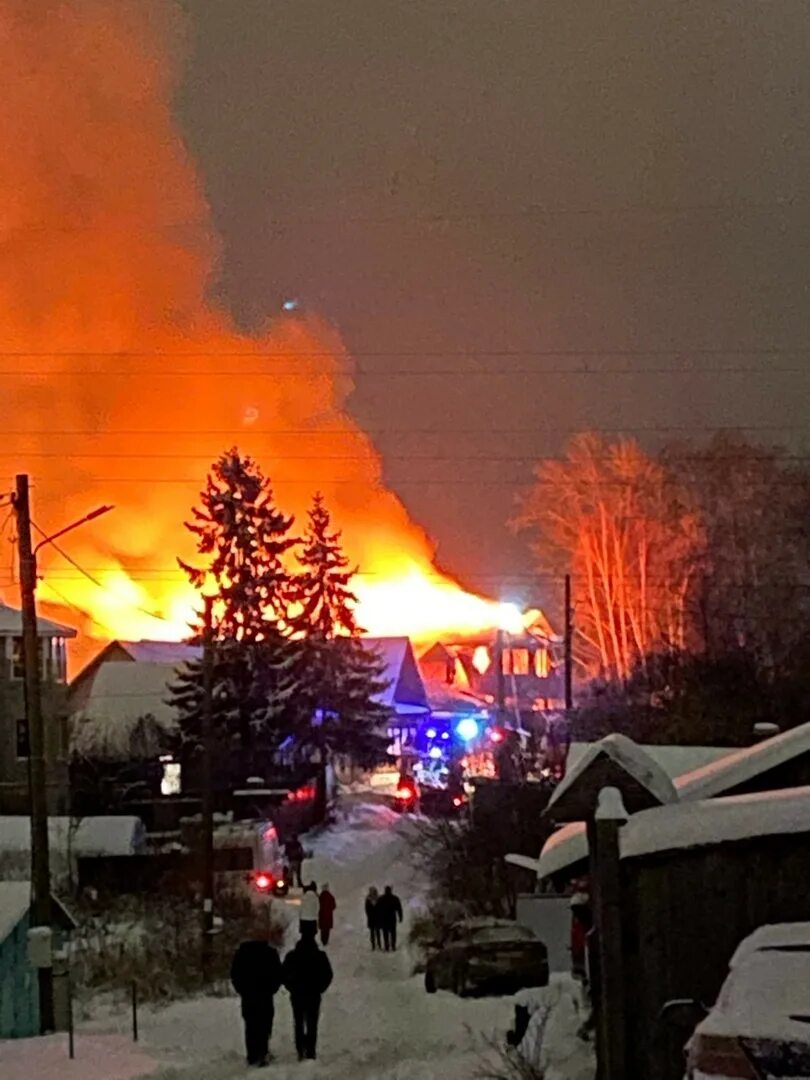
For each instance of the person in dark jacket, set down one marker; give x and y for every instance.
(326, 914)
(256, 977)
(294, 855)
(307, 974)
(372, 918)
(389, 913)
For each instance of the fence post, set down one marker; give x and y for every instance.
(71, 1046)
(134, 1011)
(606, 893)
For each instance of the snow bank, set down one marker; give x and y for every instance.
(551, 1041)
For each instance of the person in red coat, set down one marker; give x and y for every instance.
(326, 914)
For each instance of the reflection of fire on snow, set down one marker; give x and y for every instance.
(107, 325)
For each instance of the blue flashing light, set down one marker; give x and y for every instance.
(467, 729)
(434, 753)
(431, 733)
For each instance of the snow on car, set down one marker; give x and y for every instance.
(489, 954)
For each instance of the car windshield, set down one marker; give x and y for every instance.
(488, 934)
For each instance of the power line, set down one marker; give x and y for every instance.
(414, 354)
(353, 433)
(90, 577)
(414, 373)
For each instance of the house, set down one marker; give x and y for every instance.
(19, 984)
(128, 682)
(530, 678)
(13, 730)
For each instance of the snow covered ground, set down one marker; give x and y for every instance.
(377, 1021)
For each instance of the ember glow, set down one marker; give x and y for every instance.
(123, 381)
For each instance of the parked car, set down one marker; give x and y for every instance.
(487, 954)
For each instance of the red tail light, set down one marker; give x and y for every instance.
(405, 793)
(263, 882)
(457, 800)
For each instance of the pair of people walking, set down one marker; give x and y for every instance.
(257, 974)
(317, 912)
(383, 913)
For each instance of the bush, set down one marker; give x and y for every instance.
(155, 942)
(465, 863)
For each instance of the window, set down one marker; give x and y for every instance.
(23, 746)
(541, 664)
(516, 661)
(17, 671)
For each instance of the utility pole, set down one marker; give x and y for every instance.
(569, 637)
(207, 792)
(40, 856)
(501, 680)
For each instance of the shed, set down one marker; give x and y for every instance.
(19, 987)
(782, 761)
(696, 879)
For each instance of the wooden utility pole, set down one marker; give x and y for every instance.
(569, 646)
(500, 690)
(37, 773)
(606, 897)
(207, 791)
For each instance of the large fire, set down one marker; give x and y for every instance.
(122, 381)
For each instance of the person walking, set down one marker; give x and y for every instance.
(389, 913)
(373, 919)
(310, 909)
(256, 977)
(326, 914)
(294, 854)
(307, 975)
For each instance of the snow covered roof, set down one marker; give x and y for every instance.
(727, 771)
(715, 821)
(11, 624)
(161, 652)
(101, 835)
(405, 692)
(15, 900)
(632, 760)
(674, 760)
(118, 696)
(740, 766)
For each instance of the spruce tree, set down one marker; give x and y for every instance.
(245, 538)
(341, 678)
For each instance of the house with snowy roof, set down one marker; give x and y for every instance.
(119, 706)
(13, 730)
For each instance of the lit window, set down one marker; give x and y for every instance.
(171, 782)
(541, 665)
(481, 659)
(516, 661)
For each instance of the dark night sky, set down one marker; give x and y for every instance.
(471, 177)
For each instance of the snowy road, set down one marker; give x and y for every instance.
(377, 1021)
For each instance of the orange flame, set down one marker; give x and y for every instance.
(126, 381)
